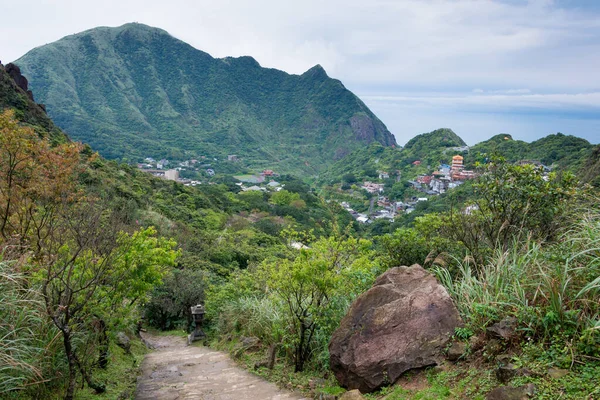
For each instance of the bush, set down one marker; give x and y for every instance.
(170, 303)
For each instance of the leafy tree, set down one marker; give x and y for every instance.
(284, 198)
(308, 284)
(34, 179)
(511, 202)
(90, 271)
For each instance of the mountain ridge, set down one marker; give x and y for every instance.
(136, 91)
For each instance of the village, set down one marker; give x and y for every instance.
(444, 178)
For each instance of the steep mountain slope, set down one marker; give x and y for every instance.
(135, 91)
(19, 98)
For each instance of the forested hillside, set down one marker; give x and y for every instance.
(135, 91)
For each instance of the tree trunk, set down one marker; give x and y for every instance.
(272, 355)
(72, 364)
(300, 350)
(103, 344)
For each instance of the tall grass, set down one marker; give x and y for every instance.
(27, 341)
(553, 290)
(258, 316)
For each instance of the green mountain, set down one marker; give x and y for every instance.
(558, 150)
(135, 91)
(590, 171)
(423, 143)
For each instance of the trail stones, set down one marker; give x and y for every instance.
(403, 322)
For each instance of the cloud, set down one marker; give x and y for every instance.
(498, 101)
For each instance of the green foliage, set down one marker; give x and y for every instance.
(284, 198)
(295, 300)
(170, 302)
(511, 202)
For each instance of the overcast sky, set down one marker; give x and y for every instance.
(480, 67)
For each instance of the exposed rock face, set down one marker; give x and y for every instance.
(403, 322)
(15, 73)
(363, 128)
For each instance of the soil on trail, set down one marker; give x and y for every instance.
(177, 371)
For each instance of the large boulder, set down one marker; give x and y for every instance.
(403, 322)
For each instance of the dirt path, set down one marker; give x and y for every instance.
(176, 371)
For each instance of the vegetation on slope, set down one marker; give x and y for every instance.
(135, 91)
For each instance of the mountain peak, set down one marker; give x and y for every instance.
(316, 72)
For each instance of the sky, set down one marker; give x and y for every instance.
(479, 67)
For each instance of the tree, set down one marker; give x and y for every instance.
(34, 179)
(512, 202)
(93, 273)
(284, 198)
(308, 283)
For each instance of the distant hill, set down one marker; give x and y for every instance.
(590, 171)
(136, 91)
(430, 148)
(425, 152)
(558, 150)
(439, 138)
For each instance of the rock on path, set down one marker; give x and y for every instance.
(176, 371)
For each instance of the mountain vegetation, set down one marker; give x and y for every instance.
(558, 150)
(134, 91)
(93, 250)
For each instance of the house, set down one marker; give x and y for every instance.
(439, 185)
(298, 245)
(268, 172)
(373, 187)
(363, 219)
(273, 184)
(253, 189)
(424, 179)
(210, 172)
(384, 175)
(418, 162)
(232, 157)
(171, 175)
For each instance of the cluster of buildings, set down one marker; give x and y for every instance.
(388, 209)
(446, 177)
(166, 170)
(273, 186)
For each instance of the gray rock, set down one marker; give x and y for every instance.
(123, 341)
(506, 372)
(456, 351)
(557, 373)
(352, 395)
(403, 322)
(512, 393)
(504, 329)
(246, 344)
